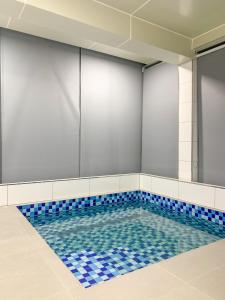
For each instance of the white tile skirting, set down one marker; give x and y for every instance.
(196, 193)
(192, 192)
(32, 192)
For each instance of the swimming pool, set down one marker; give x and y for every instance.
(102, 237)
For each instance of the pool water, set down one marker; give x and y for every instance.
(102, 242)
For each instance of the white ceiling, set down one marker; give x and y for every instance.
(139, 30)
(128, 6)
(188, 17)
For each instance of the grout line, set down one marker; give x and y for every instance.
(123, 43)
(140, 7)
(164, 28)
(139, 179)
(112, 7)
(89, 186)
(211, 30)
(192, 44)
(93, 45)
(130, 27)
(7, 195)
(8, 23)
(189, 283)
(52, 189)
(141, 19)
(22, 10)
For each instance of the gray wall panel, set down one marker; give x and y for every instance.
(40, 108)
(160, 121)
(211, 117)
(111, 93)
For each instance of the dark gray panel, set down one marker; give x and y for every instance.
(111, 96)
(40, 108)
(160, 121)
(211, 117)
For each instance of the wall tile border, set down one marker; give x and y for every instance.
(205, 195)
(3, 195)
(34, 192)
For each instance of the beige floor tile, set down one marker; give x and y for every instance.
(61, 296)
(12, 223)
(212, 284)
(28, 278)
(143, 284)
(21, 244)
(185, 293)
(197, 262)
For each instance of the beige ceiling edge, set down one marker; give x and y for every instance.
(43, 32)
(209, 38)
(119, 52)
(86, 12)
(85, 22)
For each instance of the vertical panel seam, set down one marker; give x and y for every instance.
(142, 112)
(80, 113)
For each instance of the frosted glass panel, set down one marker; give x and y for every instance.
(160, 121)
(111, 97)
(40, 108)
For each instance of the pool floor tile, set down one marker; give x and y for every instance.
(53, 281)
(100, 243)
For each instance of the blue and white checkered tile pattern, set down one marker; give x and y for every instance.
(91, 268)
(189, 209)
(124, 237)
(32, 210)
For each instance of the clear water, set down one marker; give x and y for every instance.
(99, 243)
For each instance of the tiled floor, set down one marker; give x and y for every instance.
(29, 269)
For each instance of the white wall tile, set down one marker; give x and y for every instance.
(145, 183)
(29, 193)
(3, 195)
(68, 189)
(185, 132)
(167, 187)
(129, 182)
(185, 72)
(220, 199)
(104, 185)
(185, 151)
(185, 170)
(185, 112)
(197, 194)
(185, 92)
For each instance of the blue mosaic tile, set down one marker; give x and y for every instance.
(101, 237)
(205, 213)
(91, 268)
(52, 207)
(32, 210)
